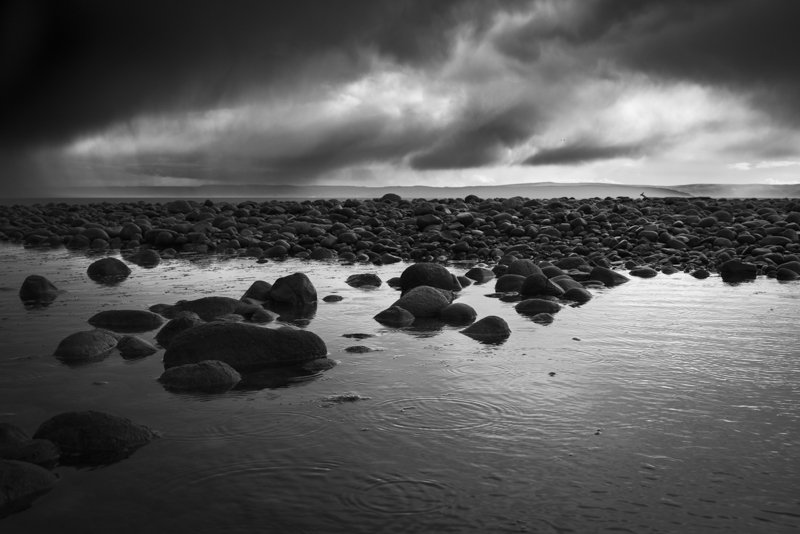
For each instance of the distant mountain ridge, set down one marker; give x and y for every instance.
(540, 190)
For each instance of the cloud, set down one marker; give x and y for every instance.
(580, 153)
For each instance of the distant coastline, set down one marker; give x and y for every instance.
(540, 190)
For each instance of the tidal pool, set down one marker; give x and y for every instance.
(662, 405)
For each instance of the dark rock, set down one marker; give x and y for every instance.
(523, 267)
(700, 274)
(577, 294)
(785, 274)
(322, 254)
(244, 347)
(428, 274)
(539, 284)
(333, 298)
(388, 259)
(358, 349)
(108, 270)
(644, 272)
(458, 313)
(609, 277)
(89, 345)
(15, 444)
(480, 274)
(21, 483)
(424, 301)
(132, 347)
(208, 376)
(736, 271)
(183, 321)
(543, 318)
(126, 320)
(295, 290)
(364, 280)
(38, 289)
(258, 290)
(534, 306)
(395, 316)
(147, 258)
(94, 438)
(490, 329)
(508, 283)
(210, 308)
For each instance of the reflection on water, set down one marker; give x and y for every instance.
(662, 405)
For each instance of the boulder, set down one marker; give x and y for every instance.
(395, 316)
(786, 274)
(490, 329)
(643, 272)
(183, 321)
(38, 289)
(209, 376)
(15, 444)
(424, 301)
(363, 280)
(458, 313)
(534, 306)
(21, 483)
(210, 308)
(132, 347)
(126, 320)
(539, 284)
(577, 294)
(480, 274)
(524, 267)
(295, 290)
(736, 270)
(108, 270)
(258, 290)
(428, 274)
(88, 345)
(244, 347)
(94, 438)
(146, 257)
(609, 277)
(509, 283)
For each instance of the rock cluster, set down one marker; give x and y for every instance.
(690, 234)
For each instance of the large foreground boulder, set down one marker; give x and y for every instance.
(244, 347)
(21, 483)
(94, 438)
(428, 274)
(737, 271)
(108, 270)
(126, 320)
(209, 376)
(85, 346)
(38, 290)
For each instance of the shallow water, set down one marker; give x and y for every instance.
(674, 407)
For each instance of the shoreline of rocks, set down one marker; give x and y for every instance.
(685, 234)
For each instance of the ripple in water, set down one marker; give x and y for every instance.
(401, 496)
(437, 413)
(272, 426)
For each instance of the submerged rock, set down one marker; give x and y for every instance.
(395, 316)
(88, 345)
(209, 376)
(15, 444)
(364, 280)
(94, 438)
(536, 306)
(458, 313)
(132, 347)
(211, 308)
(424, 301)
(108, 270)
(126, 320)
(490, 329)
(428, 274)
(244, 347)
(38, 289)
(21, 483)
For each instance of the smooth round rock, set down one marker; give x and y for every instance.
(94, 438)
(458, 313)
(490, 329)
(126, 320)
(244, 347)
(88, 345)
(423, 301)
(209, 376)
(108, 270)
(132, 347)
(395, 316)
(535, 306)
(428, 274)
(364, 280)
(38, 289)
(21, 483)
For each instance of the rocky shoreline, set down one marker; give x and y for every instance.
(661, 234)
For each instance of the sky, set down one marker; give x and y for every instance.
(396, 92)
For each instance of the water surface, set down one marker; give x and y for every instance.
(662, 405)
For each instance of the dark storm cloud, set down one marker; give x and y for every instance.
(478, 139)
(75, 66)
(584, 153)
